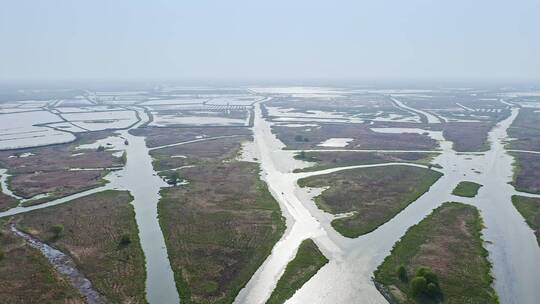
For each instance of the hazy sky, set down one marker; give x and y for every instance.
(270, 40)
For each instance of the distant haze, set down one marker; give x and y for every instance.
(478, 40)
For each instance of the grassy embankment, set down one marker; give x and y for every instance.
(229, 220)
(529, 208)
(374, 195)
(466, 189)
(27, 277)
(308, 260)
(101, 236)
(449, 242)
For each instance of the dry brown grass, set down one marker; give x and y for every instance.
(375, 194)
(218, 229)
(48, 169)
(57, 183)
(197, 153)
(93, 227)
(364, 138)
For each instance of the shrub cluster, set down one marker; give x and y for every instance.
(424, 284)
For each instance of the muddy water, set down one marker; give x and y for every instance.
(139, 177)
(65, 266)
(347, 278)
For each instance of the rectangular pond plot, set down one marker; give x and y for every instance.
(95, 121)
(19, 130)
(171, 119)
(291, 114)
(74, 102)
(176, 101)
(235, 100)
(13, 110)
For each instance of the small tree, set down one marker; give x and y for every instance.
(57, 230)
(101, 148)
(302, 154)
(125, 240)
(418, 286)
(431, 277)
(173, 178)
(402, 273)
(432, 289)
(422, 270)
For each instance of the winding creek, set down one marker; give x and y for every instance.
(347, 277)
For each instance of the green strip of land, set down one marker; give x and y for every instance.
(100, 233)
(218, 229)
(439, 260)
(373, 196)
(308, 260)
(529, 208)
(467, 189)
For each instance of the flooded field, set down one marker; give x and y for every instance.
(154, 135)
